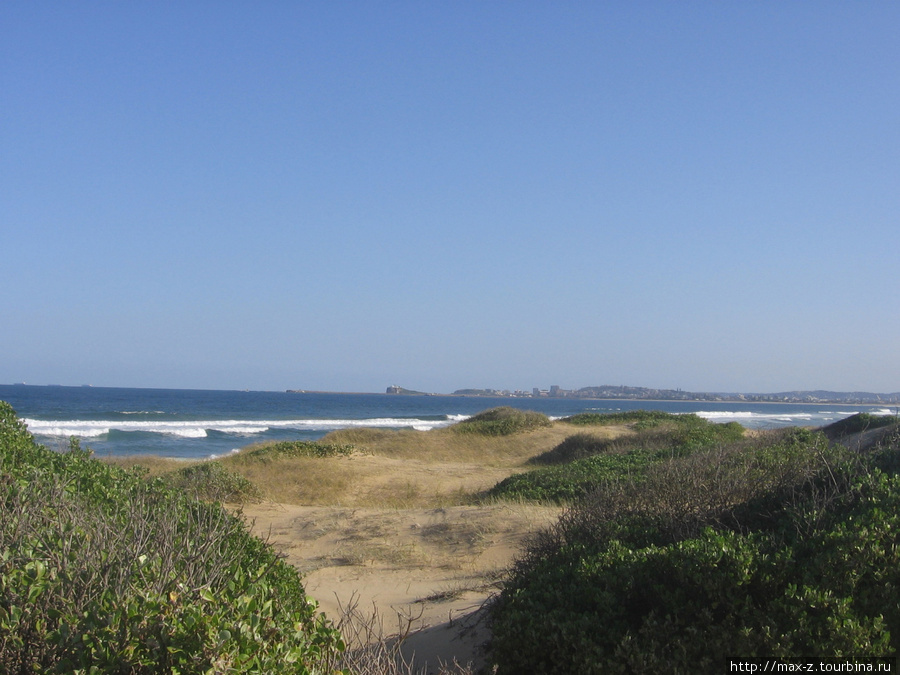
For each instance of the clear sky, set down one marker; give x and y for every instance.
(449, 194)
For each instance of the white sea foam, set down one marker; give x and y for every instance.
(95, 428)
(886, 411)
(819, 417)
(773, 419)
(201, 428)
(233, 451)
(743, 415)
(249, 427)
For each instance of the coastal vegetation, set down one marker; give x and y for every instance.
(212, 481)
(102, 570)
(583, 462)
(858, 423)
(287, 449)
(502, 421)
(659, 543)
(780, 545)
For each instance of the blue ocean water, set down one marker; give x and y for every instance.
(198, 424)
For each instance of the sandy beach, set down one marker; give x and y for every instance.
(398, 530)
(394, 533)
(425, 572)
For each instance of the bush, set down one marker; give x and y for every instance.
(291, 449)
(569, 482)
(575, 447)
(102, 570)
(626, 457)
(782, 547)
(502, 421)
(641, 419)
(857, 423)
(886, 454)
(210, 481)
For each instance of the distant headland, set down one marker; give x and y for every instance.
(645, 393)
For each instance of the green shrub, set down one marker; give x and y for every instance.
(210, 481)
(886, 454)
(857, 423)
(691, 433)
(290, 449)
(643, 419)
(577, 446)
(102, 571)
(783, 547)
(624, 457)
(502, 421)
(568, 482)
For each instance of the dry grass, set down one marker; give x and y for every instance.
(398, 526)
(432, 568)
(401, 469)
(393, 469)
(445, 445)
(299, 480)
(374, 649)
(155, 466)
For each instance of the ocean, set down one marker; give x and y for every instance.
(193, 424)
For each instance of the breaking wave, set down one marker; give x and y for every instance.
(755, 420)
(202, 428)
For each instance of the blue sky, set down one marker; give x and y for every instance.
(347, 195)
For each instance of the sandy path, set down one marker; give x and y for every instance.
(427, 570)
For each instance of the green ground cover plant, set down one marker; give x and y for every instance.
(857, 423)
(103, 570)
(582, 462)
(211, 481)
(640, 419)
(502, 421)
(571, 481)
(577, 446)
(292, 449)
(782, 545)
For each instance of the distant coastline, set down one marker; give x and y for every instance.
(626, 393)
(601, 393)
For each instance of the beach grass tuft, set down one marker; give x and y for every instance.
(212, 481)
(291, 449)
(502, 421)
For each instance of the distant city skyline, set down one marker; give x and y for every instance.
(600, 392)
(626, 392)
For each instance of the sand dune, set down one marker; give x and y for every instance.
(425, 571)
